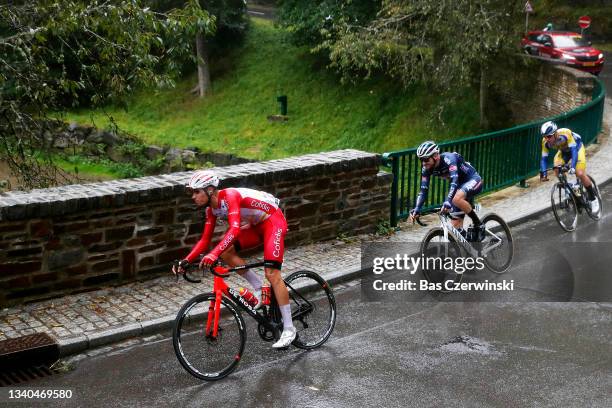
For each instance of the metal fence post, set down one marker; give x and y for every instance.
(394, 185)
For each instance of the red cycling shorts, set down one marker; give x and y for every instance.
(271, 232)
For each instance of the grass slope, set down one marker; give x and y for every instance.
(375, 115)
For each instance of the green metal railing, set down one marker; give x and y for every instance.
(502, 158)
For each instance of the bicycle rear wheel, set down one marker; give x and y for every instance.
(436, 250)
(313, 308)
(564, 207)
(203, 356)
(597, 215)
(497, 247)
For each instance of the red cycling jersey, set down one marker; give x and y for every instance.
(253, 217)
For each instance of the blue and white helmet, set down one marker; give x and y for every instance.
(427, 149)
(548, 128)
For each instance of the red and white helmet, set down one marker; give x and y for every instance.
(203, 179)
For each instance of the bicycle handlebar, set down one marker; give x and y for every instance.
(563, 168)
(215, 269)
(186, 267)
(432, 211)
(421, 223)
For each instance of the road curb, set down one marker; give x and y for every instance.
(78, 344)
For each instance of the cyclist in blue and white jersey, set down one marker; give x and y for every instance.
(465, 184)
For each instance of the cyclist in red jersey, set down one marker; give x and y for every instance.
(254, 217)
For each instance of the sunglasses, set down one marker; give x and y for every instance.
(425, 159)
(549, 136)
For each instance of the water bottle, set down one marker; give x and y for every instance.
(247, 295)
(265, 294)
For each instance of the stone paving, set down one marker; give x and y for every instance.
(106, 316)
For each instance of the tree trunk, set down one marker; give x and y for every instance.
(203, 70)
(484, 123)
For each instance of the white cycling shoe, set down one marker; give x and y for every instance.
(594, 206)
(286, 338)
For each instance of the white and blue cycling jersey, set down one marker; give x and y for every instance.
(462, 176)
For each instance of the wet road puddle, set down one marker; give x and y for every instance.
(466, 344)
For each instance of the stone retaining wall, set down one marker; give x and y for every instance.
(74, 238)
(555, 89)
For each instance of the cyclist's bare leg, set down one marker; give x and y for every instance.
(586, 181)
(282, 297)
(457, 222)
(460, 202)
(231, 257)
(278, 285)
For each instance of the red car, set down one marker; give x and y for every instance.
(564, 46)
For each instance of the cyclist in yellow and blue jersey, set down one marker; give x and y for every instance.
(570, 149)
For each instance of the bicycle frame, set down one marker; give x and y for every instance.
(580, 199)
(270, 321)
(448, 228)
(220, 288)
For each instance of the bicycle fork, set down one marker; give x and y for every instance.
(212, 321)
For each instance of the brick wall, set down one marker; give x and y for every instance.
(74, 238)
(554, 90)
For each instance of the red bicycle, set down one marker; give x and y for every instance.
(209, 332)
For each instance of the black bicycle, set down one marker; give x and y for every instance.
(209, 332)
(568, 200)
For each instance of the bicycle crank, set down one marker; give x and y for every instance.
(265, 334)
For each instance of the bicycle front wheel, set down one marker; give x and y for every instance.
(313, 308)
(564, 207)
(200, 353)
(595, 215)
(497, 247)
(436, 250)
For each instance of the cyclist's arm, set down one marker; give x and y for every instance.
(204, 242)
(425, 176)
(544, 160)
(233, 199)
(454, 176)
(573, 146)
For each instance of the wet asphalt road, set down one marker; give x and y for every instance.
(396, 354)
